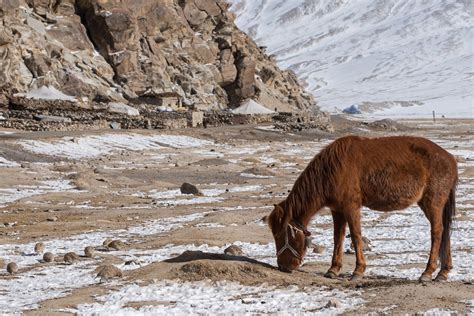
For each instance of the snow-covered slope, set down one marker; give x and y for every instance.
(373, 53)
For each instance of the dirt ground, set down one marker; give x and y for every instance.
(242, 171)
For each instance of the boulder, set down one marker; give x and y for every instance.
(39, 247)
(193, 14)
(108, 272)
(70, 258)
(116, 245)
(12, 268)
(118, 107)
(234, 250)
(89, 252)
(188, 188)
(333, 303)
(246, 77)
(48, 257)
(209, 6)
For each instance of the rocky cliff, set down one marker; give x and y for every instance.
(139, 51)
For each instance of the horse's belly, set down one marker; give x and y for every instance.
(389, 189)
(384, 206)
(392, 201)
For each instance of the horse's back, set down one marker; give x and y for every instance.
(406, 152)
(394, 172)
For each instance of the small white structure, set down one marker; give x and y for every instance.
(197, 118)
(119, 107)
(46, 93)
(251, 107)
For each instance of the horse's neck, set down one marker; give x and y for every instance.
(303, 216)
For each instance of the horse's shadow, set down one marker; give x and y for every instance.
(191, 255)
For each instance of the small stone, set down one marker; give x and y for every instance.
(48, 257)
(89, 252)
(52, 219)
(2, 263)
(115, 125)
(333, 303)
(116, 244)
(132, 262)
(234, 250)
(107, 242)
(108, 272)
(319, 249)
(39, 248)
(71, 257)
(12, 268)
(188, 188)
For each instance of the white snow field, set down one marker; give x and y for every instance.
(394, 58)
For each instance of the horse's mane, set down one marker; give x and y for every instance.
(317, 181)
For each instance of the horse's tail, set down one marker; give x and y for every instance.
(448, 214)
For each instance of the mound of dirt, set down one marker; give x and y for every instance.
(85, 180)
(216, 271)
(259, 172)
(211, 162)
(198, 266)
(386, 125)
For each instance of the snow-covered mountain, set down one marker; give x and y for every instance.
(390, 57)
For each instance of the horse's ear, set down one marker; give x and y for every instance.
(278, 218)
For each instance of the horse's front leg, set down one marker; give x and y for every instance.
(339, 232)
(353, 219)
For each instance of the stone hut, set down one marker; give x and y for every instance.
(169, 99)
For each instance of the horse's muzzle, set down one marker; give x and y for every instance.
(283, 269)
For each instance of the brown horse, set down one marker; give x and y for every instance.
(384, 174)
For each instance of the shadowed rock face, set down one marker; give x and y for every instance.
(120, 51)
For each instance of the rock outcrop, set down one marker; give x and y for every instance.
(136, 52)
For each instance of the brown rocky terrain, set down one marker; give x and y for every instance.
(138, 52)
(75, 189)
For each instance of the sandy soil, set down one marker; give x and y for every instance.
(132, 195)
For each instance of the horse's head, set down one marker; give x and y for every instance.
(291, 239)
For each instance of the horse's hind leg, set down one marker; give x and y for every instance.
(353, 219)
(432, 207)
(445, 266)
(339, 233)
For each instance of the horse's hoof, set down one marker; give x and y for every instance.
(356, 277)
(441, 278)
(330, 275)
(425, 278)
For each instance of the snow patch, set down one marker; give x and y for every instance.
(93, 146)
(223, 297)
(46, 93)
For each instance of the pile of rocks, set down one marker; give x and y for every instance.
(302, 121)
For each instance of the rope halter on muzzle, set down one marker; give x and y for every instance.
(293, 230)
